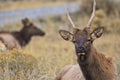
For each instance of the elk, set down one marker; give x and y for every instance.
(70, 72)
(93, 64)
(19, 39)
(2, 47)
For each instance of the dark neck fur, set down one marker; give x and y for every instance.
(22, 37)
(84, 65)
(97, 66)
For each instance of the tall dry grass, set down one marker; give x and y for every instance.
(17, 65)
(15, 5)
(53, 53)
(111, 7)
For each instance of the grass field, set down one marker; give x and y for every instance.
(53, 52)
(32, 4)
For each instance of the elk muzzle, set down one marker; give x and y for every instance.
(42, 34)
(80, 50)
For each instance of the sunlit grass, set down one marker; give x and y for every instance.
(53, 53)
(18, 65)
(31, 4)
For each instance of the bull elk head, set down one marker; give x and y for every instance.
(82, 39)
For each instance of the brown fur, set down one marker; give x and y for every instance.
(98, 67)
(70, 72)
(19, 39)
(94, 65)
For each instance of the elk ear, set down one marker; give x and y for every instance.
(66, 35)
(97, 33)
(25, 21)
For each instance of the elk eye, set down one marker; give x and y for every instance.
(73, 41)
(89, 40)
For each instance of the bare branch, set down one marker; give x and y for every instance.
(92, 16)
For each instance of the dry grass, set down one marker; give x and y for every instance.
(53, 52)
(17, 65)
(32, 4)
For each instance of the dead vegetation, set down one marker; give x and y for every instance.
(53, 53)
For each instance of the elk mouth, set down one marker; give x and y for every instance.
(82, 56)
(42, 34)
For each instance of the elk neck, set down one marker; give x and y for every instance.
(23, 37)
(89, 60)
(97, 66)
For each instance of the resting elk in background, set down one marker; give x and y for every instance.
(70, 72)
(93, 64)
(19, 39)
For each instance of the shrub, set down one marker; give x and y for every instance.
(109, 6)
(17, 65)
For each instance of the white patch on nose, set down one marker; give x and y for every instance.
(81, 54)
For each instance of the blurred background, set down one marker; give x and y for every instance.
(51, 51)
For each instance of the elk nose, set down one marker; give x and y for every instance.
(42, 34)
(81, 49)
